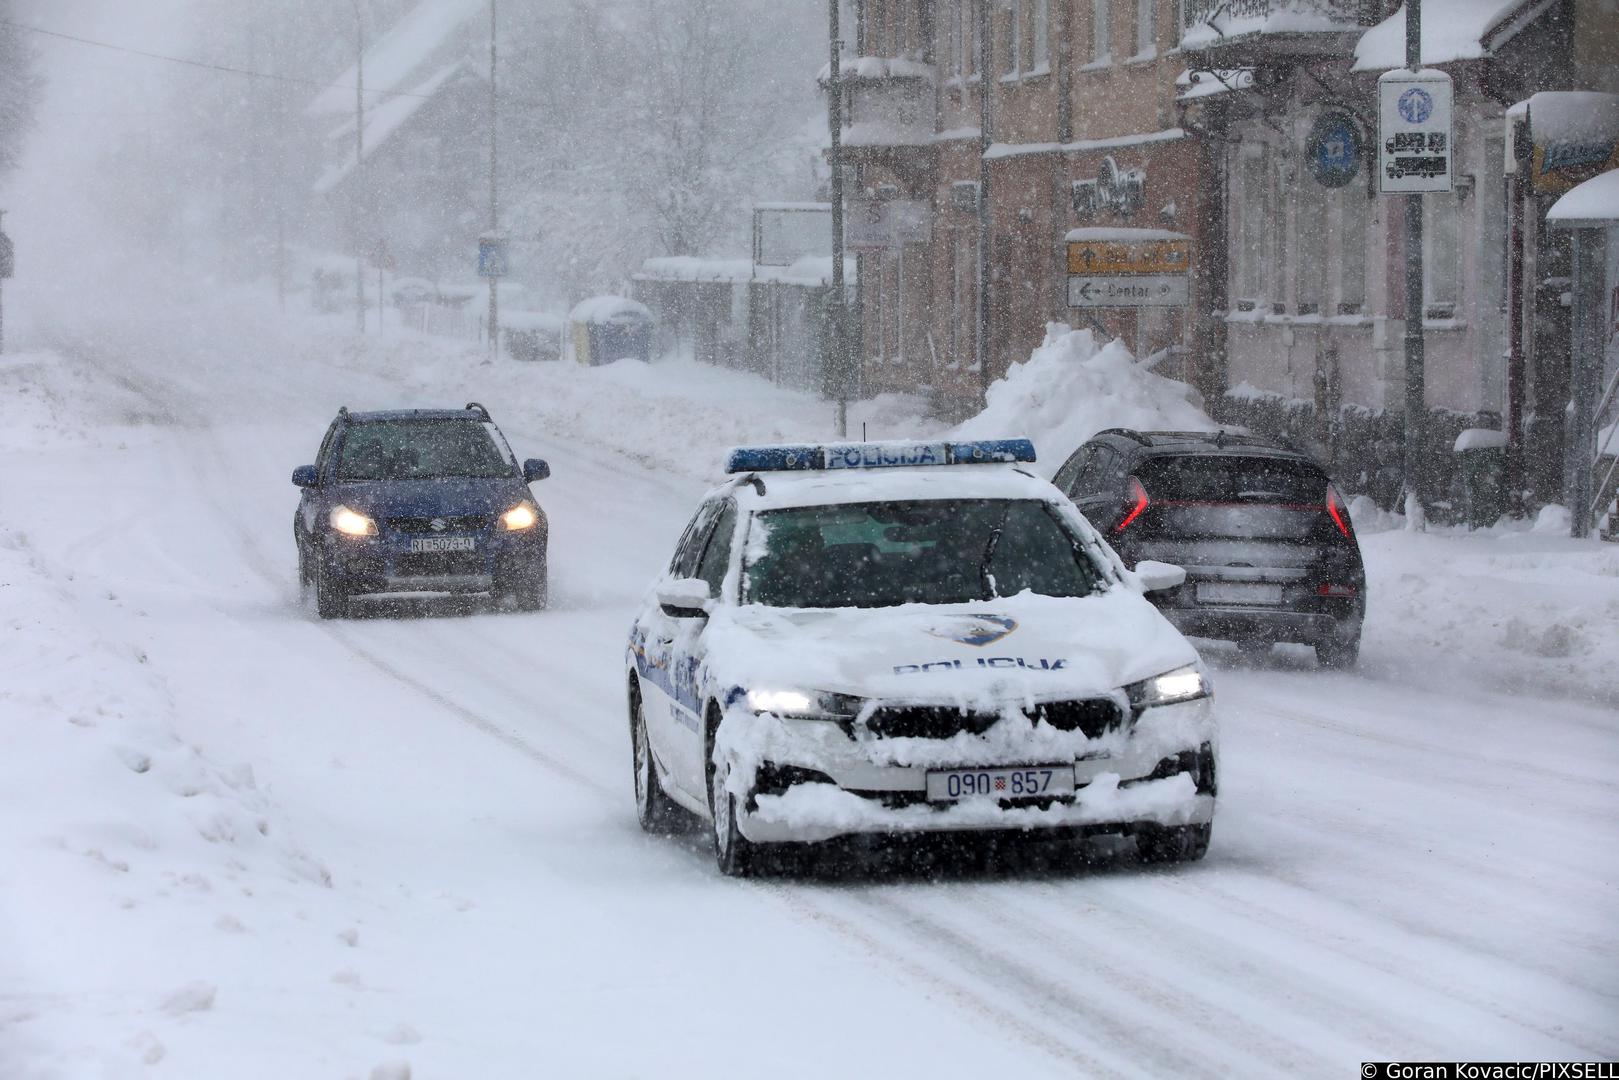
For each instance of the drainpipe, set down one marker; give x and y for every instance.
(986, 80)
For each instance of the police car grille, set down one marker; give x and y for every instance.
(927, 722)
(423, 526)
(1093, 716)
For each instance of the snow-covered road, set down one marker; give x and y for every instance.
(240, 842)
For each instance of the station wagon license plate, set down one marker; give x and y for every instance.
(1023, 782)
(1238, 592)
(434, 544)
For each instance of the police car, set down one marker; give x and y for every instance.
(905, 638)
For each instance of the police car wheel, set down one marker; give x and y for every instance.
(734, 853)
(655, 810)
(1179, 843)
(331, 599)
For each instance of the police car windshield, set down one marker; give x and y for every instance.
(422, 449)
(937, 551)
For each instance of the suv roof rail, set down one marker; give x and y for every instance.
(473, 406)
(343, 411)
(1128, 433)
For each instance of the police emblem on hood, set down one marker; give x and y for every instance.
(979, 630)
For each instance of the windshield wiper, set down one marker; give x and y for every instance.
(989, 554)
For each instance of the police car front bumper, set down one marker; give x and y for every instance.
(815, 783)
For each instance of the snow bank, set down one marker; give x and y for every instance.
(1520, 608)
(1069, 389)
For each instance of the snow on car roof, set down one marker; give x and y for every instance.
(835, 486)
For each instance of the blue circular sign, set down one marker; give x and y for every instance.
(1416, 105)
(1334, 150)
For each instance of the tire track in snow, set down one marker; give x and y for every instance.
(863, 944)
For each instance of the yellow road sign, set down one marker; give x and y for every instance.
(1129, 257)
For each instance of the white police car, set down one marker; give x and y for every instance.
(909, 637)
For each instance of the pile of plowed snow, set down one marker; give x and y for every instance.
(1069, 389)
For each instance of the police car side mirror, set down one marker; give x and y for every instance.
(305, 476)
(535, 469)
(684, 598)
(1157, 576)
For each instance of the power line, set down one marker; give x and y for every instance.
(227, 69)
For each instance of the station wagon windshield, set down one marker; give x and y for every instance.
(945, 551)
(420, 450)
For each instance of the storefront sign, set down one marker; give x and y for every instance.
(879, 224)
(1414, 132)
(1334, 149)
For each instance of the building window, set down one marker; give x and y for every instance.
(1101, 38)
(1441, 257)
(1040, 33)
(969, 38)
(1252, 210)
(1310, 231)
(1014, 38)
(1351, 215)
(1146, 28)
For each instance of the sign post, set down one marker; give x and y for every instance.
(1128, 268)
(1413, 157)
(7, 266)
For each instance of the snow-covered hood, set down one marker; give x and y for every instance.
(1019, 649)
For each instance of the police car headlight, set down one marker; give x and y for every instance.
(518, 518)
(1183, 684)
(810, 705)
(352, 522)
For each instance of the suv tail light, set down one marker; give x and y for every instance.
(1138, 500)
(1329, 589)
(1340, 515)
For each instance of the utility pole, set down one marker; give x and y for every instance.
(5, 272)
(1416, 397)
(837, 348)
(359, 168)
(985, 138)
(494, 195)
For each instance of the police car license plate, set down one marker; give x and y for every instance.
(1238, 592)
(1024, 782)
(424, 544)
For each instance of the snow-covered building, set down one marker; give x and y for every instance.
(1208, 120)
(416, 186)
(1315, 317)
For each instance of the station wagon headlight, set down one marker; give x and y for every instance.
(807, 704)
(1183, 684)
(352, 522)
(518, 518)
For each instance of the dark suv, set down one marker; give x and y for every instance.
(1269, 551)
(419, 501)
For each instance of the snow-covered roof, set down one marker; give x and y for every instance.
(601, 309)
(833, 486)
(1595, 202)
(1282, 17)
(879, 67)
(811, 270)
(1451, 30)
(1573, 116)
(381, 122)
(1096, 235)
(393, 59)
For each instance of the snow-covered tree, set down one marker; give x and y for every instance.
(20, 88)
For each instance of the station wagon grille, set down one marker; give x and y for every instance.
(440, 564)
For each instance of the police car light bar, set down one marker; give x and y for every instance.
(877, 455)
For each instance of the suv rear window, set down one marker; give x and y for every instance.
(1232, 478)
